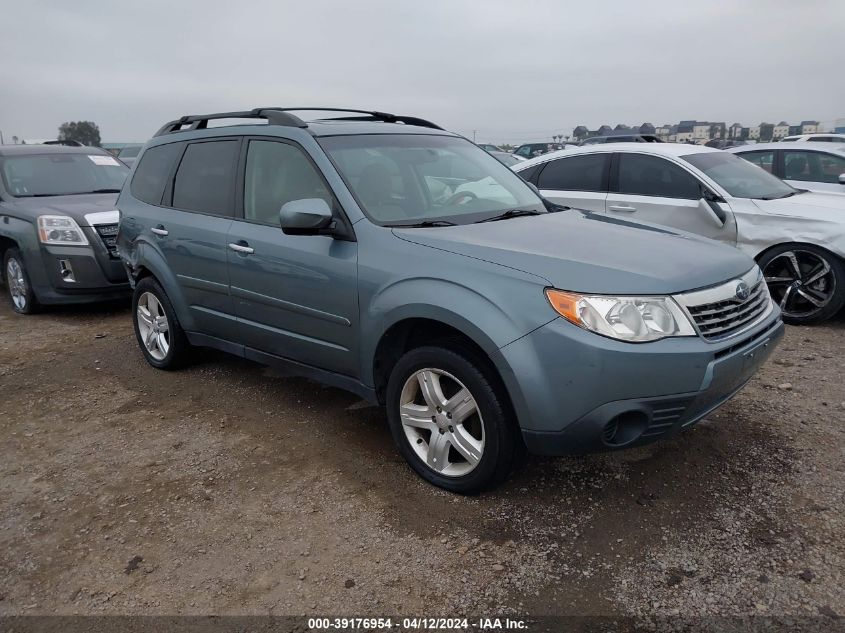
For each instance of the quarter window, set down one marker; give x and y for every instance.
(277, 173)
(150, 179)
(206, 177)
(575, 173)
(652, 176)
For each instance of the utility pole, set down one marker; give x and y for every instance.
(473, 135)
(2, 142)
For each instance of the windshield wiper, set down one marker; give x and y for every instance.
(101, 191)
(788, 194)
(512, 213)
(423, 224)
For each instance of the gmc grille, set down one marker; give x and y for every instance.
(108, 234)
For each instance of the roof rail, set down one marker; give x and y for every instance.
(282, 116)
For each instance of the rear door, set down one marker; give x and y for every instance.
(578, 181)
(192, 233)
(296, 296)
(653, 189)
(811, 169)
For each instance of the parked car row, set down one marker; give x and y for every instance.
(389, 257)
(796, 236)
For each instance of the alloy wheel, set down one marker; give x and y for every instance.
(801, 282)
(153, 326)
(442, 422)
(17, 283)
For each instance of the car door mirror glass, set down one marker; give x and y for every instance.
(305, 215)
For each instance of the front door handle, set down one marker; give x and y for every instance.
(623, 208)
(242, 248)
(160, 230)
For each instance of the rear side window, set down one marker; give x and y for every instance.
(151, 175)
(643, 175)
(205, 179)
(576, 173)
(812, 166)
(529, 174)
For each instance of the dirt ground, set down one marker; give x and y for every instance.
(229, 488)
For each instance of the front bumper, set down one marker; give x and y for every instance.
(577, 392)
(78, 274)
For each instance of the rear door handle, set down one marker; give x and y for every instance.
(623, 208)
(241, 248)
(160, 230)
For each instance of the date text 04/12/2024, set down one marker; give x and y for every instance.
(409, 624)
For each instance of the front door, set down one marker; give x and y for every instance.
(652, 189)
(295, 296)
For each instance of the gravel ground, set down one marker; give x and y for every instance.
(229, 488)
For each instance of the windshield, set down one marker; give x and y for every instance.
(738, 177)
(129, 152)
(61, 174)
(402, 179)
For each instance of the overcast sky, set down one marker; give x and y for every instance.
(511, 70)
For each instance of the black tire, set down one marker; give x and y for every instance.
(26, 302)
(778, 267)
(178, 348)
(501, 447)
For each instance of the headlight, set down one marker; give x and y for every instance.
(634, 319)
(60, 229)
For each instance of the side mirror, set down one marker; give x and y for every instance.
(306, 216)
(842, 179)
(709, 203)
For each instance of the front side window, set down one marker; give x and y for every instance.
(412, 178)
(575, 173)
(644, 175)
(43, 175)
(278, 173)
(764, 160)
(812, 166)
(738, 177)
(206, 176)
(150, 178)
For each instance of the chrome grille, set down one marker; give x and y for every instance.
(108, 234)
(718, 313)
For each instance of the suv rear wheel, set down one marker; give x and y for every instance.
(18, 287)
(161, 338)
(448, 420)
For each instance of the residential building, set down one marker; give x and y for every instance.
(754, 133)
(766, 132)
(810, 127)
(781, 130)
(700, 131)
(685, 131)
(735, 131)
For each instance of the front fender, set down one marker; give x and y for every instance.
(25, 235)
(488, 320)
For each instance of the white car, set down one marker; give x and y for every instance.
(797, 237)
(816, 138)
(813, 166)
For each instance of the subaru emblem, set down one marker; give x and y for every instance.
(742, 291)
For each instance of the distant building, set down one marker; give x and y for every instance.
(735, 131)
(685, 131)
(754, 133)
(809, 127)
(839, 126)
(781, 130)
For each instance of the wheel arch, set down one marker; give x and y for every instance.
(148, 262)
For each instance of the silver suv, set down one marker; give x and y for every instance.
(386, 256)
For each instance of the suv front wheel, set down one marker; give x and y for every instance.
(161, 338)
(17, 283)
(449, 422)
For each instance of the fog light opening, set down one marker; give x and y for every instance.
(66, 271)
(624, 428)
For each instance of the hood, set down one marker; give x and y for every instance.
(76, 207)
(812, 204)
(589, 253)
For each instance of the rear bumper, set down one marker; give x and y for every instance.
(582, 400)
